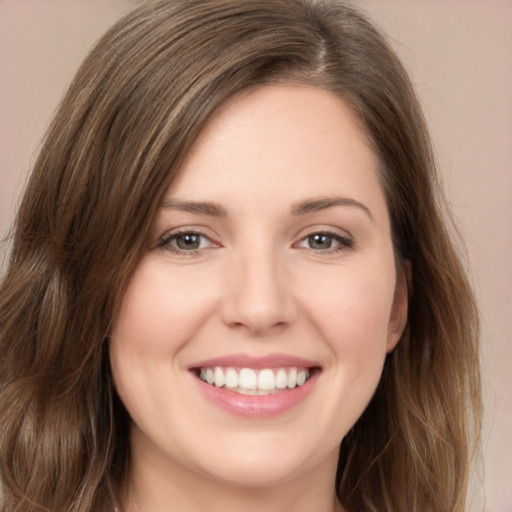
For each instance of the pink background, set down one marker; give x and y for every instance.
(459, 53)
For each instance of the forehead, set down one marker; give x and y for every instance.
(292, 140)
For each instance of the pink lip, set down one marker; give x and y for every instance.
(263, 406)
(255, 362)
(258, 406)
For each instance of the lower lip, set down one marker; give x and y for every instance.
(257, 406)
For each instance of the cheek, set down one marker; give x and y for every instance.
(350, 311)
(353, 317)
(158, 316)
(160, 311)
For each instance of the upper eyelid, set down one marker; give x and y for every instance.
(171, 234)
(183, 231)
(323, 228)
(193, 229)
(332, 234)
(342, 239)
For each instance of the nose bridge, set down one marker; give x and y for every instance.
(259, 294)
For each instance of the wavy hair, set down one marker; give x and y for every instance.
(131, 114)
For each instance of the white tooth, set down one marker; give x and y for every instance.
(247, 378)
(202, 374)
(281, 379)
(231, 378)
(210, 377)
(263, 391)
(219, 377)
(292, 377)
(244, 391)
(301, 378)
(266, 380)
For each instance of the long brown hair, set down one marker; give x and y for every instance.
(134, 109)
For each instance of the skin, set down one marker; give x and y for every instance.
(258, 285)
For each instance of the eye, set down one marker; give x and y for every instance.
(186, 242)
(326, 241)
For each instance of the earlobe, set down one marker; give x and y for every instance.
(399, 311)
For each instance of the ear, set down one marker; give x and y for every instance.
(398, 317)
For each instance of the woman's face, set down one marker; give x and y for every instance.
(270, 264)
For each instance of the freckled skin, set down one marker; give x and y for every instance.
(257, 284)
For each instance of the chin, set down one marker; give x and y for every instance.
(263, 463)
(254, 474)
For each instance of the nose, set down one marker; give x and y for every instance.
(259, 294)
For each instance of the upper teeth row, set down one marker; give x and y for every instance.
(247, 378)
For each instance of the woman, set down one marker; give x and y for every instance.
(231, 284)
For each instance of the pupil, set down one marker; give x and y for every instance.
(188, 242)
(320, 241)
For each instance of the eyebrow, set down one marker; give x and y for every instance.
(299, 208)
(322, 203)
(200, 207)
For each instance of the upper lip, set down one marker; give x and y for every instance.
(255, 362)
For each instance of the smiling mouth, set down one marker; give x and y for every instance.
(248, 381)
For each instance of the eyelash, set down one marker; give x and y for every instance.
(345, 243)
(166, 242)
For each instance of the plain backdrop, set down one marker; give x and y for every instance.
(459, 54)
